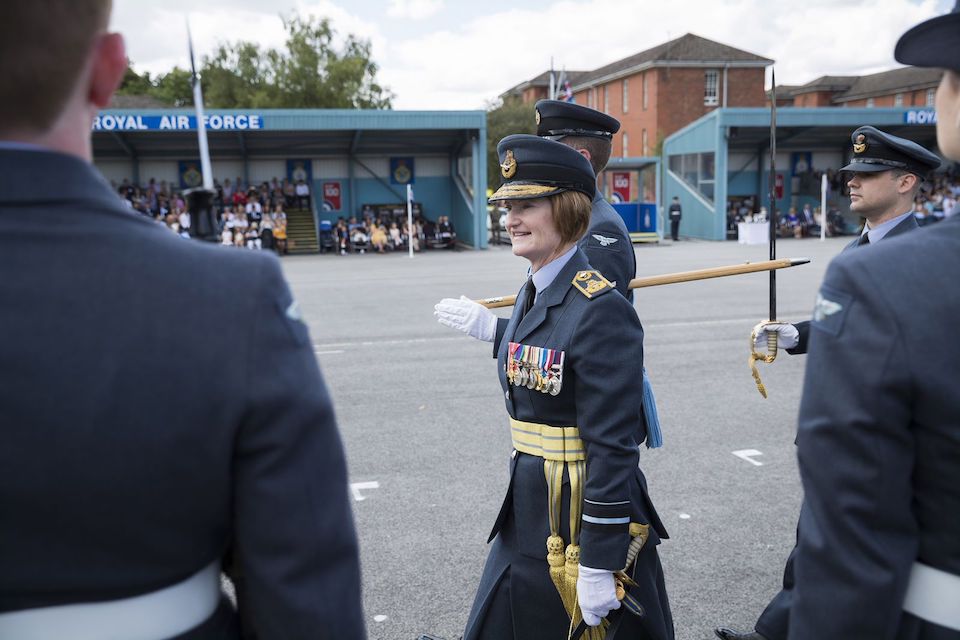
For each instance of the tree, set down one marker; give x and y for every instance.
(134, 84)
(510, 115)
(174, 88)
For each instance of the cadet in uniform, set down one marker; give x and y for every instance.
(151, 418)
(879, 549)
(570, 367)
(883, 192)
(886, 172)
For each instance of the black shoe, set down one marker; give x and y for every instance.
(729, 634)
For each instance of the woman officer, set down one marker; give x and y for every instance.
(570, 363)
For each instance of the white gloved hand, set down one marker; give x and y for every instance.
(596, 593)
(468, 316)
(787, 336)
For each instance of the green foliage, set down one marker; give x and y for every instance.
(511, 115)
(310, 73)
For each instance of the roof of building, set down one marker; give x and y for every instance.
(886, 82)
(828, 83)
(543, 80)
(687, 49)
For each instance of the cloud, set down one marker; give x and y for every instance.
(414, 9)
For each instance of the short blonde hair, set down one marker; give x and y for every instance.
(571, 214)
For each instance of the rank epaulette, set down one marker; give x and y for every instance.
(591, 283)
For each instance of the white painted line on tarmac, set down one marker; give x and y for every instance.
(379, 618)
(684, 516)
(326, 353)
(747, 454)
(356, 487)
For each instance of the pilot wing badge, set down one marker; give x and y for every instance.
(604, 240)
(824, 308)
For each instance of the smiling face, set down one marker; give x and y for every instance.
(533, 233)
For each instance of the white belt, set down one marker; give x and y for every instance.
(934, 596)
(152, 616)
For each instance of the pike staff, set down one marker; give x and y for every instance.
(203, 216)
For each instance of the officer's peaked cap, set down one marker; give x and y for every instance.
(556, 119)
(533, 167)
(874, 150)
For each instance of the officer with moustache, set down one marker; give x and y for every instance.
(879, 548)
(885, 174)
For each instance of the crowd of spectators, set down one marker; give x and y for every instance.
(250, 216)
(381, 234)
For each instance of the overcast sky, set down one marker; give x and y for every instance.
(461, 54)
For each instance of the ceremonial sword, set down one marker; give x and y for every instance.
(203, 217)
(772, 221)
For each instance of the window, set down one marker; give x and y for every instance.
(898, 100)
(696, 170)
(931, 96)
(711, 82)
(626, 96)
(626, 145)
(643, 143)
(644, 90)
(606, 98)
(870, 103)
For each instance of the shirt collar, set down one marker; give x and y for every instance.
(548, 272)
(878, 232)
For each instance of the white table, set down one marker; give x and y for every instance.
(753, 232)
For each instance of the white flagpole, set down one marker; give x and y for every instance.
(410, 229)
(823, 207)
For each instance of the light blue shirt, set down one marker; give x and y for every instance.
(876, 233)
(548, 272)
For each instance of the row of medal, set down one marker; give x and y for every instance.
(536, 368)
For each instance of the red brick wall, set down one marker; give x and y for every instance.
(814, 99)
(532, 94)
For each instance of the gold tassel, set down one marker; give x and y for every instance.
(556, 561)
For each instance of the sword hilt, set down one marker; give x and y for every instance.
(768, 357)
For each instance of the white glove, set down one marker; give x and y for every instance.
(787, 337)
(468, 316)
(596, 593)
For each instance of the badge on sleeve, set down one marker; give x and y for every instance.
(830, 311)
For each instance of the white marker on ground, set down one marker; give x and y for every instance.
(684, 516)
(746, 454)
(379, 618)
(355, 488)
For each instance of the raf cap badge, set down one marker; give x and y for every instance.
(860, 145)
(509, 165)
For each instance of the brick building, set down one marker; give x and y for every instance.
(659, 91)
(904, 87)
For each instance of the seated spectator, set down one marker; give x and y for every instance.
(379, 238)
(342, 236)
(241, 223)
(396, 241)
(184, 219)
(238, 239)
(790, 224)
(254, 210)
(302, 191)
(226, 237)
(289, 193)
(280, 233)
(266, 232)
(253, 237)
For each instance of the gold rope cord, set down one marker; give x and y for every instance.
(767, 358)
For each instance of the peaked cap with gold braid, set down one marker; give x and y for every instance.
(533, 167)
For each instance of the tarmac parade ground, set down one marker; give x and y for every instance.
(425, 430)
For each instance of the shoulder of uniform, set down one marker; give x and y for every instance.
(591, 283)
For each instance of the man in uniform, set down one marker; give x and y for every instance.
(607, 242)
(675, 214)
(135, 456)
(879, 541)
(885, 175)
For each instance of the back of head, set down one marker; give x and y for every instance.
(579, 127)
(44, 47)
